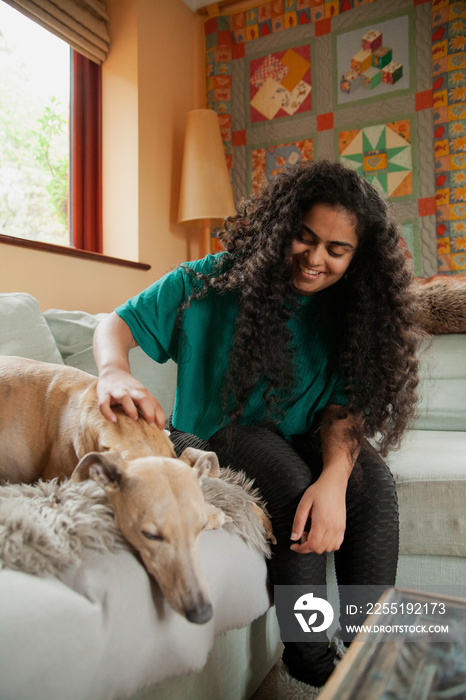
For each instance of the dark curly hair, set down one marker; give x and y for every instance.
(374, 309)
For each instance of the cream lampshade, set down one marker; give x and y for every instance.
(205, 195)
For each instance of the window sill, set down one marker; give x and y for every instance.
(71, 252)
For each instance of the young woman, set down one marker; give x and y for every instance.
(294, 346)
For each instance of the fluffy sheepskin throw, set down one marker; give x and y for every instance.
(442, 304)
(46, 527)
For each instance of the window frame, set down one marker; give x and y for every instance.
(71, 252)
(85, 171)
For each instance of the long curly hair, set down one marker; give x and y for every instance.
(375, 310)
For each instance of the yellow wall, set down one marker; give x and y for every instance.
(153, 76)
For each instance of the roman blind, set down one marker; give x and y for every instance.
(81, 23)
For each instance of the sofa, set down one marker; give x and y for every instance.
(430, 471)
(101, 630)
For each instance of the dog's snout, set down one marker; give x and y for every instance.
(200, 614)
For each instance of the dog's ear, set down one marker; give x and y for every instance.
(202, 462)
(106, 468)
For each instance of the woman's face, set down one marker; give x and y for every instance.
(323, 249)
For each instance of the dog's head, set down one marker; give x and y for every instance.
(160, 509)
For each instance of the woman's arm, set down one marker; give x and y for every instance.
(116, 386)
(324, 501)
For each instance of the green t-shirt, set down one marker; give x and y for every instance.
(202, 346)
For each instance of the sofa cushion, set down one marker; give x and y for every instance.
(437, 574)
(23, 330)
(103, 631)
(73, 332)
(442, 385)
(430, 471)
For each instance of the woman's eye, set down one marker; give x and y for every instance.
(303, 238)
(335, 254)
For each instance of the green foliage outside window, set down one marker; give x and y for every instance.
(34, 135)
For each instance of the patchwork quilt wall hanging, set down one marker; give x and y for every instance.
(377, 84)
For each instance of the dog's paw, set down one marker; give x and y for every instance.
(216, 518)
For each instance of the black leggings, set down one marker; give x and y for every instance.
(282, 472)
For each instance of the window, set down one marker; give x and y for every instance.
(34, 130)
(50, 130)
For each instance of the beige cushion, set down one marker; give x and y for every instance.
(430, 471)
(23, 330)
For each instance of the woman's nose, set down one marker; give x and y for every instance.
(314, 255)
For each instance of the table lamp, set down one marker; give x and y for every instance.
(206, 194)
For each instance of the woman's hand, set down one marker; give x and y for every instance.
(116, 385)
(324, 502)
(119, 387)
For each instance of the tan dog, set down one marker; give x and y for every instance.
(51, 426)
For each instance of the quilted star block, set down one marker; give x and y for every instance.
(375, 160)
(382, 154)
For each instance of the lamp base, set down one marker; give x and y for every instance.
(207, 236)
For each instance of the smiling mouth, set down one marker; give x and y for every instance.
(309, 272)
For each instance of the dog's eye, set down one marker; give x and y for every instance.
(151, 536)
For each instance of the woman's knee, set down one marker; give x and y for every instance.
(373, 485)
(278, 472)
